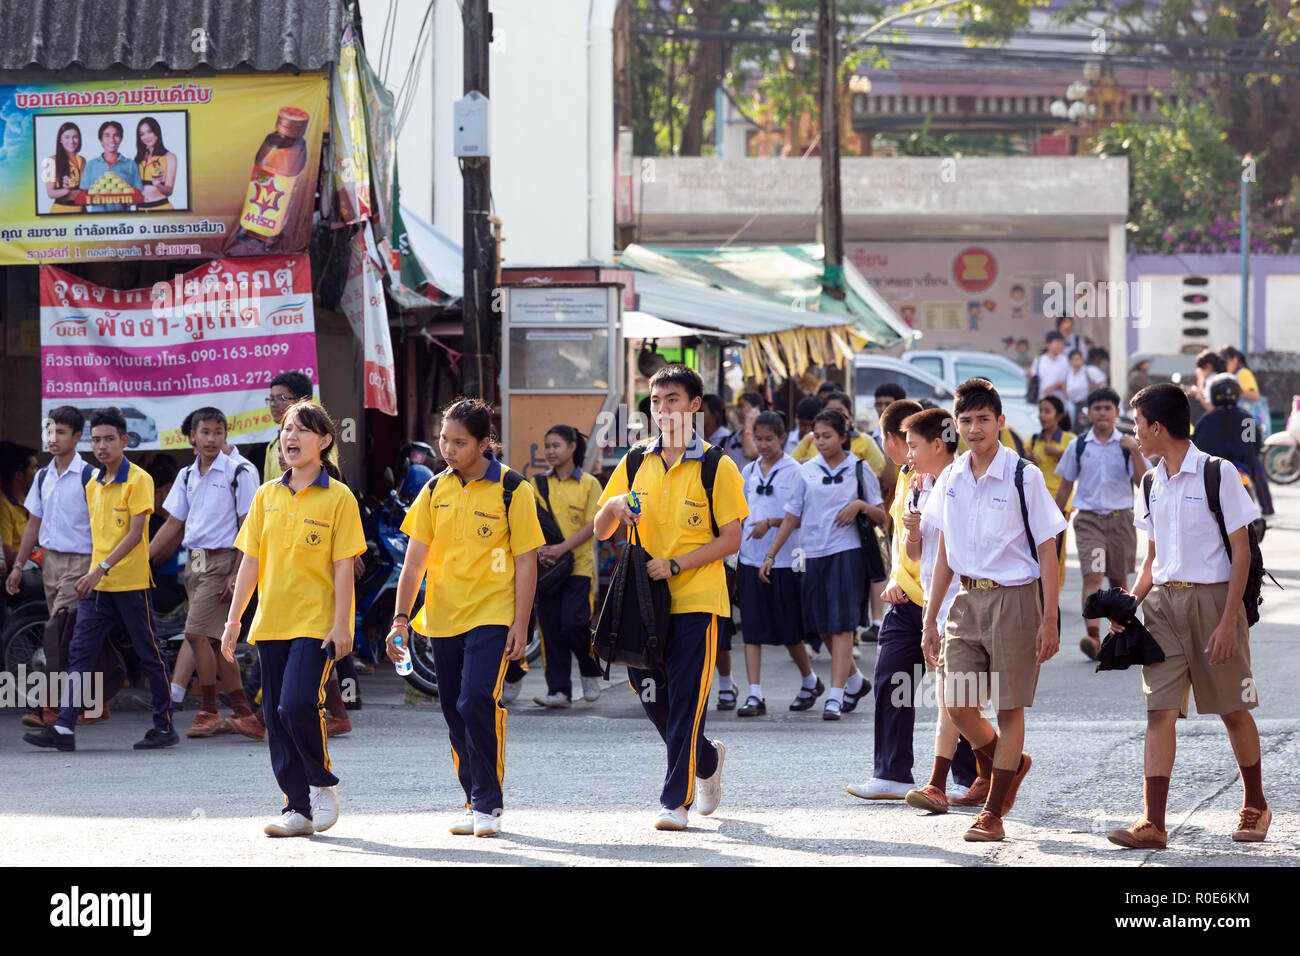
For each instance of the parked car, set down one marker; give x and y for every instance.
(139, 426)
(954, 366)
(871, 370)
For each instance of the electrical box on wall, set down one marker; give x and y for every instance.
(470, 115)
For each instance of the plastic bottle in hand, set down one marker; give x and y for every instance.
(404, 665)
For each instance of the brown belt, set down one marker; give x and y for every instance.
(978, 584)
(1178, 585)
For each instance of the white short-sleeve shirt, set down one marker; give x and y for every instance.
(764, 503)
(1102, 481)
(820, 495)
(1188, 544)
(983, 529)
(1049, 371)
(60, 502)
(207, 506)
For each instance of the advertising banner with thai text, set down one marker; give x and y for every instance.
(159, 169)
(363, 304)
(215, 336)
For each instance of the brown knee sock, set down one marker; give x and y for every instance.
(1155, 794)
(209, 692)
(1252, 778)
(239, 703)
(984, 758)
(998, 790)
(334, 700)
(939, 775)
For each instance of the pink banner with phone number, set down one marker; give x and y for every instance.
(215, 335)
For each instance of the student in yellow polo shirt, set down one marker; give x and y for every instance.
(116, 589)
(688, 545)
(572, 497)
(481, 556)
(299, 538)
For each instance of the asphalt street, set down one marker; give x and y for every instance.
(581, 785)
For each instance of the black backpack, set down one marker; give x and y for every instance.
(1029, 534)
(1252, 597)
(633, 622)
(1078, 455)
(708, 475)
(548, 579)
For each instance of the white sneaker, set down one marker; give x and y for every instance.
(956, 791)
(510, 690)
(857, 652)
(487, 824)
(324, 807)
(671, 819)
(877, 789)
(590, 689)
(553, 700)
(464, 825)
(288, 824)
(710, 788)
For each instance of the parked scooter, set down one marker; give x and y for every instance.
(1282, 449)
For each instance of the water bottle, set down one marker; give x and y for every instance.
(634, 502)
(404, 665)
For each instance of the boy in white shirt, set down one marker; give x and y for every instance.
(1003, 623)
(1101, 467)
(1191, 590)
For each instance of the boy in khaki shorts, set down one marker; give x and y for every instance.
(1101, 467)
(207, 504)
(1191, 592)
(998, 631)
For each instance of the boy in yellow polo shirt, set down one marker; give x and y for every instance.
(688, 541)
(481, 554)
(116, 589)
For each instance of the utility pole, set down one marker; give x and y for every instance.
(829, 115)
(480, 328)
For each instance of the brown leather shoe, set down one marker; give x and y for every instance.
(223, 729)
(33, 718)
(1252, 825)
(83, 719)
(976, 795)
(1010, 801)
(335, 726)
(987, 828)
(250, 725)
(205, 723)
(1142, 835)
(50, 716)
(928, 798)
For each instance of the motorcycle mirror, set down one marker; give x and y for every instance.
(389, 481)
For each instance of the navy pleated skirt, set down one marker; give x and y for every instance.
(770, 613)
(832, 591)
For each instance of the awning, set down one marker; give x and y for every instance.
(771, 295)
(439, 255)
(643, 325)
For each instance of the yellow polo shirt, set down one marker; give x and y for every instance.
(13, 521)
(860, 443)
(906, 573)
(675, 518)
(112, 505)
(574, 502)
(296, 539)
(470, 578)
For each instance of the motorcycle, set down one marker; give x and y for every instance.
(1282, 449)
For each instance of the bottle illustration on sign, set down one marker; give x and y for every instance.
(274, 179)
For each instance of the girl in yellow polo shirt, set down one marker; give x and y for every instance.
(299, 539)
(572, 497)
(1044, 450)
(481, 557)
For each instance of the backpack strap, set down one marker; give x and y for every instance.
(634, 458)
(40, 480)
(87, 473)
(509, 482)
(1213, 477)
(242, 467)
(1024, 506)
(1146, 493)
(1078, 455)
(544, 489)
(708, 475)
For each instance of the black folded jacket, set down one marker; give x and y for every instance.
(1133, 645)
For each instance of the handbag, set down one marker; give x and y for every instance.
(549, 579)
(633, 622)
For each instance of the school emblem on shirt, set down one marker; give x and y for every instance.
(312, 537)
(695, 520)
(484, 531)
